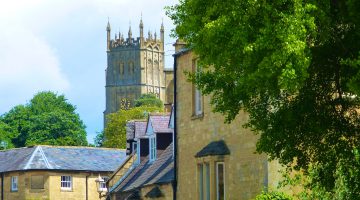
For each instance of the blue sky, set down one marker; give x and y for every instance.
(61, 46)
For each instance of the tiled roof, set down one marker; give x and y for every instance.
(61, 158)
(160, 123)
(140, 128)
(214, 148)
(147, 173)
(135, 129)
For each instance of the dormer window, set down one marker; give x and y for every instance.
(152, 147)
(138, 151)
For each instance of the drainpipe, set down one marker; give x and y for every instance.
(2, 186)
(175, 129)
(87, 187)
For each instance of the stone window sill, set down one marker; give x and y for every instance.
(66, 190)
(198, 116)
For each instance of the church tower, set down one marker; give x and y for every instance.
(134, 67)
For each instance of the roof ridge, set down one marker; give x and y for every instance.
(160, 114)
(4, 150)
(78, 147)
(45, 158)
(31, 158)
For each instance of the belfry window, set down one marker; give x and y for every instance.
(121, 69)
(131, 67)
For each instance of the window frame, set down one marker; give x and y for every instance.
(14, 183)
(198, 107)
(152, 148)
(207, 186)
(138, 151)
(66, 188)
(200, 177)
(218, 197)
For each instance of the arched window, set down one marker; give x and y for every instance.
(131, 67)
(121, 68)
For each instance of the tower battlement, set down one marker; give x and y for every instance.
(141, 42)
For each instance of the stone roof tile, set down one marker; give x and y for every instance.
(61, 158)
(160, 123)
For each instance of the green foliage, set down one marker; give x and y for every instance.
(148, 100)
(6, 134)
(273, 195)
(99, 139)
(47, 119)
(115, 130)
(294, 66)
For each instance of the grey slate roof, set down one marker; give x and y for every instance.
(147, 173)
(214, 148)
(160, 122)
(135, 129)
(61, 158)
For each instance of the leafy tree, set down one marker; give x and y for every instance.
(293, 65)
(47, 119)
(115, 130)
(273, 195)
(99, 139)
(6, 134)
(114, 134)
(148, 100)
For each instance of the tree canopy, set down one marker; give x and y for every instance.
(148, 100)
(293, 65)
(114, 134)
(115, 130)
(47, 119)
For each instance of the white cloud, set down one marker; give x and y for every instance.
(28, 64)
(61, 46)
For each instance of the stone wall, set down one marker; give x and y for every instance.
(52, 185)
(246, 173)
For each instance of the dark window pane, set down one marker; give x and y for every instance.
(220, 181)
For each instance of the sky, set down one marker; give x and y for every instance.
(60, 46)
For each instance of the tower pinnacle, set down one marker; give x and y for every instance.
(162, 32)
(141, 26)
(108, 30)
(130, 32)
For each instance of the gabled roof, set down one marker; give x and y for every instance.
(160, 123)
(135, 129)
(214, 148)
(140, 128)
(61, 158)
(147, 173)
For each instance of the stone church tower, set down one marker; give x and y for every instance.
(136, 67)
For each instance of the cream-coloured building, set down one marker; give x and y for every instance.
(214, 161)
(56, 173)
